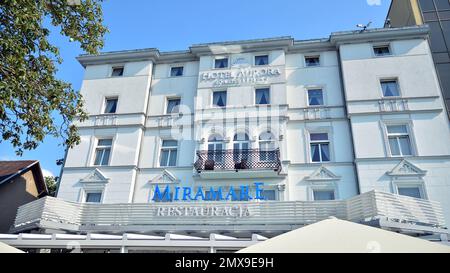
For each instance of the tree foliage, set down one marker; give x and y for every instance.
(52, 185)
(29, 90)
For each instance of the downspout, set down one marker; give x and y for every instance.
(341, 75)
(61, 172)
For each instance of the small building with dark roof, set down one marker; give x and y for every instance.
(21, 182)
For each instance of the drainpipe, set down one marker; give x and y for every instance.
(341, 75)
(61, 172)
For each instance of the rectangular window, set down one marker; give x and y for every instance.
(383, 50)
(173, 106)
(169, 152)
(324, 195)
(320, 147)
(221, 63)
(311, 61)
(117, 71)
(93, 197)
(399, 140)
(262, 60)
(220, 98)
(315, 97)
(262, 96)
(270, 195)
(390, 88)
(110, 106)
(414, 192)
(103, 152)
(176, 71)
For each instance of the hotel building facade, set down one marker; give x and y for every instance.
(258, 137)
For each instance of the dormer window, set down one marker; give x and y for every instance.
(176, 71)
(117, 71)
(311, 61)
(220, 63)
(382, 50)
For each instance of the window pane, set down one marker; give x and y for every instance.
(93, 197)
(98, 157)
(111, 106)
(170, 143)
(173, 158)
(117, 72)
(104, 142)
(220, 99)
(315, 97)
(324, 195)
(262, 96)
(410, 191)
(382, 50)
(325, 152)
(315, 153)
(172, 106)
(319, 137)
(269, 195)
(176, 71)
(393, 144)
(221, 63)
(312, 61)
(397, 129)
(390, 88)
(164, 158)
(405, 145)
(106, 153)
(426, 5)
(262, 60)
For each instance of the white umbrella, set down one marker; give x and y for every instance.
(4, 248)
(337, 236)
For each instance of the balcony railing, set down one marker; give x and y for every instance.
(227, 160)
(388, 210)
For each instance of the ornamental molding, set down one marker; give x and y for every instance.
(95, 177)
(166, 178)
(323, 174)
(406, 168)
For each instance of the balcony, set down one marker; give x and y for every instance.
(238, 164)
(398, 213)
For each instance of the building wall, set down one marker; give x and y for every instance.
(14, 194)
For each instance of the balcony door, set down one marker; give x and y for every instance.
(241, 147)
(216, 149)
(267, 147)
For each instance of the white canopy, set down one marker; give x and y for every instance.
(337, 236)
(4, 248)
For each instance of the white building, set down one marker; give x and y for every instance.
(314, 120)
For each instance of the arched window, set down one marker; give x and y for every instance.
(215, 148)
(241, 146)
(267, 146)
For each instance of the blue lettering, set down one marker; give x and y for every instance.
(199, 194)
(259, 191)
(187, 194)
(231, 195)
(162, 197)
(177, 193)
(245, 193)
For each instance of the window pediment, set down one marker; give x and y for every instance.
(95, 177)
(165, 178)
(323, 174)
(406, 168)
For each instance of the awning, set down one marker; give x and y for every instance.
(338, 236)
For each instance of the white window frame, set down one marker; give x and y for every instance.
(410, 183)
(262, 87)
(212, 98)
(96, 146)
(260, 55)
(388, 45)
(312, 87)
(105, 104)
(219, 58)
(323, 187)
(325, 130)
(175, 66)
(390, 79)
(312, 56)
(111, 70)
(409, 128)
(167, 104)
(89, 191)
(161, 148)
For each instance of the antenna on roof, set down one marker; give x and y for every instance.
(363, 27)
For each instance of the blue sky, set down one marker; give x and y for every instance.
(177, 24)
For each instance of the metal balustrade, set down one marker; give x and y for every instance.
(226, 160)
(52, 213)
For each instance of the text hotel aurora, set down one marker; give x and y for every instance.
(307, 120)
